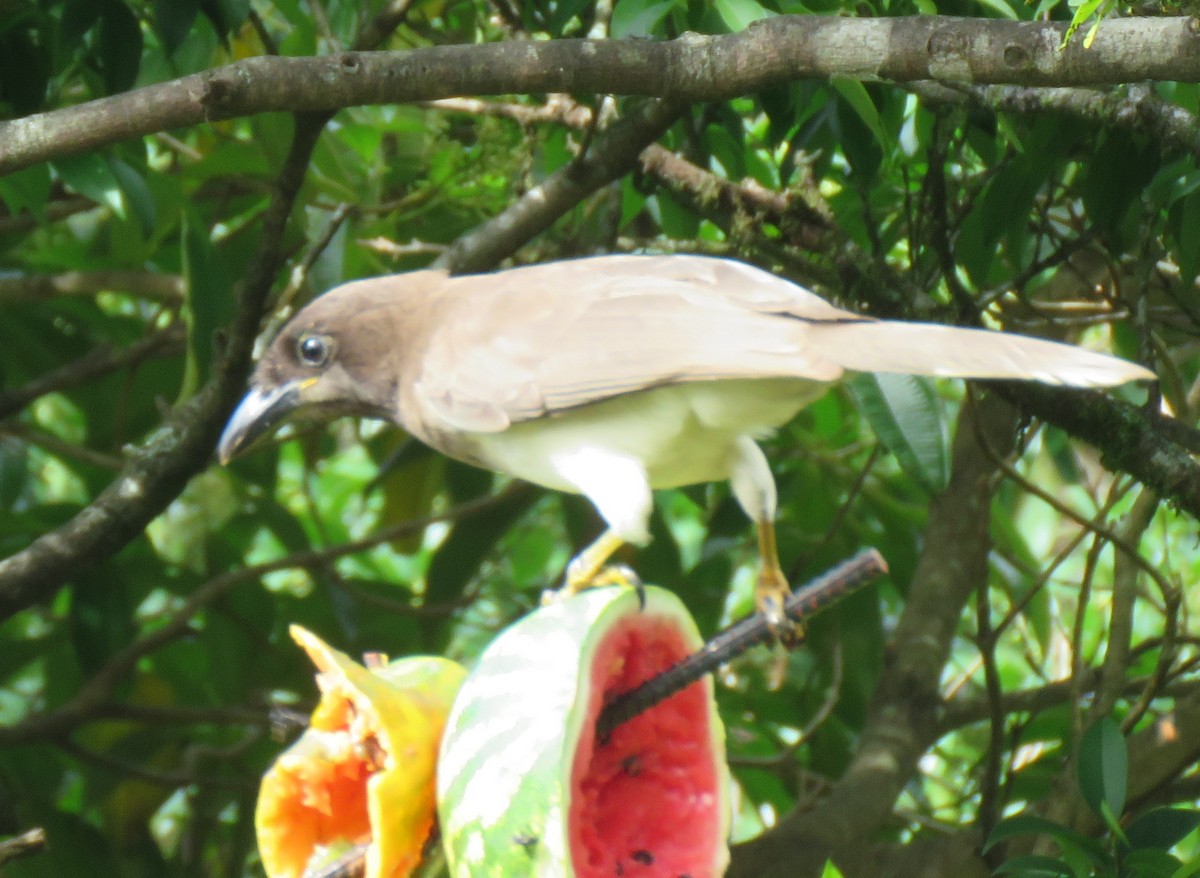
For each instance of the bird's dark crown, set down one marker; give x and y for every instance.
(334, 348)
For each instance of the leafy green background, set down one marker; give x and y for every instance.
(1081, 230)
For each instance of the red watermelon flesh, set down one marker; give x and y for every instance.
(647, 802)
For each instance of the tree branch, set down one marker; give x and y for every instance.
(612, 154)
(52, 212)
(157, 471)
(690, 68)
(1137, 108)
(1129, 441)
(32, 841)
(99, 361)
(804, 222)
(144, 284)
(91, 700)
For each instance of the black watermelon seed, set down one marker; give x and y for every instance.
(644, 857)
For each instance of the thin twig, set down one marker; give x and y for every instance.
(98, 362)
(31, 841)
(1121, 606)
(139, 284)
(1162, 668)
(989, 785)
(97, 690)
(53, 212)
(1090, 524)
(137, 769)
(818, 593)
(61, 448)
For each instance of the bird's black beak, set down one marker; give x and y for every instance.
(259, 412)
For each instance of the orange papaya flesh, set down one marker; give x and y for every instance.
(363, 772)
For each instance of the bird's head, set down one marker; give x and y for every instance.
(333, 358)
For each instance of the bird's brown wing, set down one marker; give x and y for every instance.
(533, 341)
(537, 340)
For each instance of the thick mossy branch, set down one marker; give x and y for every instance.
(1129, 439)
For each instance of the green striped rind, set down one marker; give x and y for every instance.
(504, 771)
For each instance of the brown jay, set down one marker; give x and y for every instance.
(610, 376)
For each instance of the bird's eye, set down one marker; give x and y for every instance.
(312, 350)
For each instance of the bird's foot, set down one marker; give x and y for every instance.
(617, 574)
(610, 574)
(771, 594)
(590, 568)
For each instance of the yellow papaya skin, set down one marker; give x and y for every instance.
(363, 772)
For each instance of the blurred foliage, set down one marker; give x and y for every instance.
(1091, 232)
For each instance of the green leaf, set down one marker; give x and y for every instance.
(740, 14)
(727, 150)
(1000, 7)
(1104, 767)
(78, 17)
(905, 414)
(1009, 199)
(1187, 870)
(92, 176)
(1113, 822)
(225, 15)
(101, 613)
(136, 195)
(1034, 866)
(639, 18)
(24, 71)
(1117, 173)
(855, 94)
(1149, 863)
(1172, 181)
(676, 220)
(27, 189)
(563, 13)
(1188, 238)
(633, 202)
(209, 302)
(459, 556)
(1162, 827)
(1031, 824)
(830, 870)
(120, 47)
(1083, 12)
(173, 19)
(14, 456)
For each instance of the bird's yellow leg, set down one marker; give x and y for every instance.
(772, 589)
(588, 569)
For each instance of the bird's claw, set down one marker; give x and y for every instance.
(610, 574)
(771, 596)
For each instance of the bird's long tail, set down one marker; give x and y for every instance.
(957, 352)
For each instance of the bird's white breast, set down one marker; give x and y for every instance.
(682, 434)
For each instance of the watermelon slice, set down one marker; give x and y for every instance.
(526, 788)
